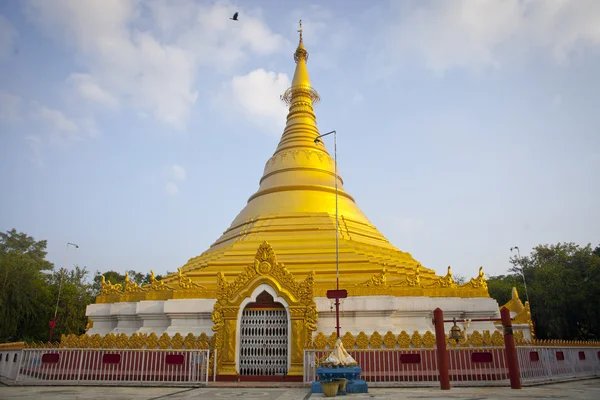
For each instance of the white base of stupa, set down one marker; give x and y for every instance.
(357, 314)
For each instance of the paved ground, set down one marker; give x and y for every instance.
(584, 390)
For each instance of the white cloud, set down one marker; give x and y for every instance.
(35, 144)
(88, 89)
(171, 188)
(10, 107)
(486, 33)
(56, 120)
(146, 55)
(8, 37)
(176, 173)
(257, 97)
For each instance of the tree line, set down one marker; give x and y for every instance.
(563, 286)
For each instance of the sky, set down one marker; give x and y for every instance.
(138, 129)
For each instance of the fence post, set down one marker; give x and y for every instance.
(442, 353)
(81, 355)
(214, 365)
(510, 350)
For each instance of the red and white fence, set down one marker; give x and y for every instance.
(547, 364)
(467, 366)
(418, 367)
(114, 366)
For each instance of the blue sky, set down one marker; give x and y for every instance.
(138, 130)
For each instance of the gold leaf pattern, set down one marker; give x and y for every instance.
(348, 340)
(331, 340)
(190, 341)
(404, 340)
(362, 340)
(376, 340)
(429, 340)
(497, 339)
(416, 340)
(476, 339)
(487, 338)
(152, 342)
(390, 340)
(320, 341)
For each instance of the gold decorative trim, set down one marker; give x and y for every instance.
(375, 280)
(299, 295)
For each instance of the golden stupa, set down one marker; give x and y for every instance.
(281, 250)
(294, 211)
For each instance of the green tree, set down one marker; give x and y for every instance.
(24, 295)
(563, 283)
(75, 294)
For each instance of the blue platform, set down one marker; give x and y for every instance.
(352, 374)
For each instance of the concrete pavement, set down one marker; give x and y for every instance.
(584, 390)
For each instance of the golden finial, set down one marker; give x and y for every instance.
(301, 52)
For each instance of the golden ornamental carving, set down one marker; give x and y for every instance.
(203, 341)
(310, 323)
(519, 337)
(186, 283)
(108, 288)
(177, 341)
(95, 341)
(416, 339)
(429, 340)
(265, 269)
(136, 341)
(376, 340)
(362, 340)
(158, 285)
(165, 341)
(478, 282)
(190, 341)
(331, 340)
(487, 338)
(108, 341)
(348, 340)
(320, 341)
(90, 324)
(404, 340)
(390, 340)
(375, 280)
(411, 282)
(497, 339)
(152, 341)
(445, 282)
(476, 339)
(132, 287)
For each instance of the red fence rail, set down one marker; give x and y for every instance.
(74, 366)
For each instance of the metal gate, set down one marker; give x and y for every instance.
(264, 342)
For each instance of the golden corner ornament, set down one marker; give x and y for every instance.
(285, 238)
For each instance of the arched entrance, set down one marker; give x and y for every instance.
(264, 336)
(270, 345)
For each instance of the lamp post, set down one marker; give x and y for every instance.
(336, 294)
(62, 272)
(522, 270)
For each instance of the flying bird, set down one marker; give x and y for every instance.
(235, 17)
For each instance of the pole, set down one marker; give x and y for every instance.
(442, 353)
(62, 272)
(337, 233)
(512, 360)
(337, 292)
(522, 272)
